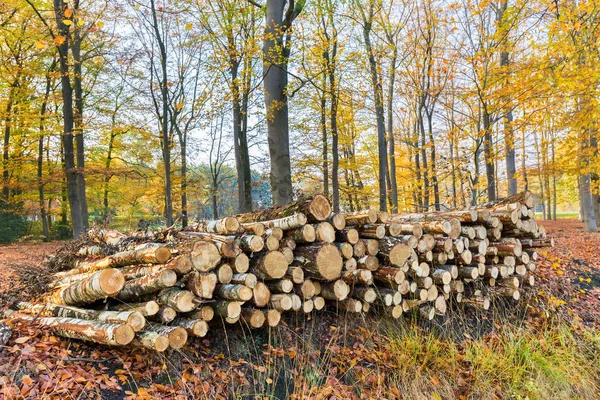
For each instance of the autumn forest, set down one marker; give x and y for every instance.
(140, 113)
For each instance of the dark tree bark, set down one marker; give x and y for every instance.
(324, 140)
(40, 159)
(378, 99)
(78, 123)
(488, 151)
(390, 131)
(276, 51)
(330, 62)
(67, 137)
(164, 119)
(509, 137)
(240, 96)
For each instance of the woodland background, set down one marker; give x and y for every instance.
(138, 113)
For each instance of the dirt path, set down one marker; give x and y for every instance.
(22, 270)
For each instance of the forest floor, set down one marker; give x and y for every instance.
(544, 347)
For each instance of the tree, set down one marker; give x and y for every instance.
(279, 15)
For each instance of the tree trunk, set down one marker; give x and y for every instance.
(390, 133)
(379, 112)
(324, 140)
(67, 137)
(165, 140)
(78, 125)
(275, 64)
(489, 154)
(240, 141)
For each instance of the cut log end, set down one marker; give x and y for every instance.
(124, 334)
(320, 208)
(329, 262)
(111, 281)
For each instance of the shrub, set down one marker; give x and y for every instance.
(13, 223)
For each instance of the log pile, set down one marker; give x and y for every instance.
(157, 290)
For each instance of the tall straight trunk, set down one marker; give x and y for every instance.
(275, 65)
(78, 125)
(523, 164)
(453, 166)
(540, 162)
(379, 112)
(585, 190)
(335, 162)
(415, 144)
(67, 111)
(436, 187)
(554, 195)
(489, 154)
(8, 121)
(594, 178)
(240, 141)
(107, 177)
(214, 189)
(390, 133)
(40, 160)
(166, 148)
(324, 140)
(509, 137)
(423, 148)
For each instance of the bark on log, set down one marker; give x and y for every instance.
(249, 280)
(177, 299)
(337, 290)
(100, 285)
(177, 335)
(304, 234)
(280, 286)
(296, 274)
(337, 221)
(221, 226)
(93, 331)
(132, 318)
(256, 228)
(226, 309)
(135, 288)
(281, 302)
(148, 255)
(194, 327)
(316, 208)
(363, 217)
(164, 315)
(147, 308)
(253, 317)
(151, 340)
(349, 235)
(372, 231)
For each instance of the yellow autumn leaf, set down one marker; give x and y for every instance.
(188, 27)
(68, 13)
(100, 24)
(59, 40)
(179, 106)
(40, 44)
(67, 22)
(80, 22)
(436, 396)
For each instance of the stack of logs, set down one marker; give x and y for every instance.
(156, 289)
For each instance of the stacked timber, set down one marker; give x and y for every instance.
(157, 290)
